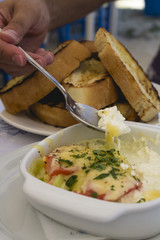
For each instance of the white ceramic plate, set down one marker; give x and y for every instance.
(25, 121)
(31, 124)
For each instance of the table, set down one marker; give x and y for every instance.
(12, 138)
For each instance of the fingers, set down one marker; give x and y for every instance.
(13, 61)
(11, 54)
(14, 22)
(48, 56)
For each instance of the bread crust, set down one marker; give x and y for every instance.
(128, 75)
(53, 115)
(99, 94)
(20, 96)
(127, 111)
(91, 84)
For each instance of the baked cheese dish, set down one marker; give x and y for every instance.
(90, 169)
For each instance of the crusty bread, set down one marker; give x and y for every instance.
(51, 109)
(128, 75)
(90, 45)
(91, 84)
(54, 115)
(21, 92)
(127, 111)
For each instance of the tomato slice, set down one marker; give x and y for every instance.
(63, 171)
(91, 193)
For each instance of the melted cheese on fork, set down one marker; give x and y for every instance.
(112, 121)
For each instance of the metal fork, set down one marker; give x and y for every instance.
(81, 112)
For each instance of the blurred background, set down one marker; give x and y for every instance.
(136, 23)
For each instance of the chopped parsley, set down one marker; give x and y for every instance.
(79, 155)
(141, 200)
(71, 181)
(68, 162)
(102, 176)
(94, 194)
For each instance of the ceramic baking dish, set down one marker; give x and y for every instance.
(109, 219)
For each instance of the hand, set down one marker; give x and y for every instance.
(23, 23)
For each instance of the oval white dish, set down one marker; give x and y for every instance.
(110, 219)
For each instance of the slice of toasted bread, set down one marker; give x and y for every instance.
(51, 109)
(127, 111)
(21, 92)
(91, 84)
(128, 75)
(56, 115)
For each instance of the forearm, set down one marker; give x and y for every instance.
(65, 11)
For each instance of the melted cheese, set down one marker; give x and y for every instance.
(96, 169)
(112, 121)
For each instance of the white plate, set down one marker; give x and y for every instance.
(31, 124)
(25, 121)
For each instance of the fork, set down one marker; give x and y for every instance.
(81, 112)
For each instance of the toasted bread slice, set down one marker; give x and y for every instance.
(51, 109)
(91, 84)
(128, 75)
(56, 115)
(21, 92)
(127, 111)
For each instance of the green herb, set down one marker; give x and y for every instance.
(98, 166)
(69, 163)
(112, 188)
(84, 166)
(71, 181)
(99, 152)
(94, 194)
(141, 200)
(113, 172)
(71, 150)
(102, 176)
(79, 155)
(89, 157)
(136, 178)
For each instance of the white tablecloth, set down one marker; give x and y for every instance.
(12, 138)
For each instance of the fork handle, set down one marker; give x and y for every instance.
(47, 74)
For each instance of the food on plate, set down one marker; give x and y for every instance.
(22, 92)
(89, 84)
(99, 73)
(128, 75)
(51, 109)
